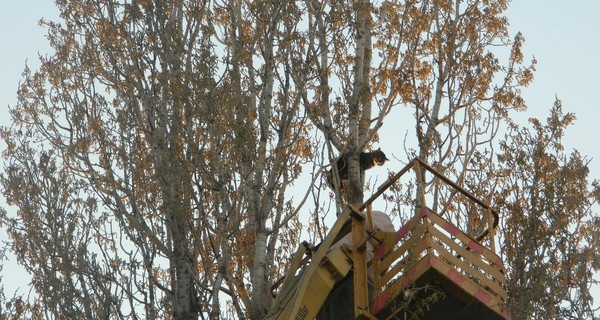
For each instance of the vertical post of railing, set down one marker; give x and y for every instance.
(359, 259)
(374, 261)
(421, 201)
(420, 185)
(491, 230)
(370, 226)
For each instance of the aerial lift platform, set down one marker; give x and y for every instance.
(428, 269)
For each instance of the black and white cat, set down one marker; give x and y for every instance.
(367, 161)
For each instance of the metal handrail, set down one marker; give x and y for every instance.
(419, 163)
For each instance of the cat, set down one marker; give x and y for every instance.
(367, 161)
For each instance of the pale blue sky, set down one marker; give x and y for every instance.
(564, 38)
(562, 35)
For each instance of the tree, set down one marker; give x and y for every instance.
(447, 69)
(438, 58)
(157, 168)
(339, 35)
(550, 231)
(157, 149)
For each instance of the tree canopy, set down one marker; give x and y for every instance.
(161, 159)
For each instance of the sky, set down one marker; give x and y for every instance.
(563, 36)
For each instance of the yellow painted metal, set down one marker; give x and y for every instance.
(305, 296)
(290, 280)
(308, 292)
(359, 261)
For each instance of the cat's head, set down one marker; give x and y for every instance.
(379, 157)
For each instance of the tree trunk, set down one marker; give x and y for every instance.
(360, 102)
(185, 305)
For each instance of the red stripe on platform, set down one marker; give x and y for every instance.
(476, 246)
(431, 260)
(380, 252)
(499, 262)
(506, 315)
(455, 277)
(381, 301)
(425, 212)
(403, 231)
(483, 296)
(453, 230)
(408, 279)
